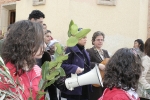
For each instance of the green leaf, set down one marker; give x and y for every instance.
(82, 33)
(61, 71)
(8, 76)
(41, 92)
(30, 98)
(49, 83)
(74, 29)
(55, 55)
(69, 32)
(52, 75)
(52, 64)
(59, 49)
(72, 41)
(45, 67)
(41, 83)
(46, 98)
(58, 65)
(60, 59)
(39, 96)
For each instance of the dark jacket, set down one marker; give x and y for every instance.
(75, 60)
(96, 59)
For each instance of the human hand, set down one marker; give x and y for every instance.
(101, 66)
(79, 70)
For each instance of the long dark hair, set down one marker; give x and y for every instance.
(22, 43)
(141, 43)
(123, 70)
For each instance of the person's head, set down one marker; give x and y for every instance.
(36, 16)
(138, 43)
(123, 70)
(83, 40)
(47, 37)
(24, 43)
(98, 39)
(44, 28)
(147, 47)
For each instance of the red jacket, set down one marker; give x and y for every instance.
(29, 80)
(116, 94)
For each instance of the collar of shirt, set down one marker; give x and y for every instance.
(101, 53)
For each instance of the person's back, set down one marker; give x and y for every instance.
(122, 75)
(117, 94)
(21, 47)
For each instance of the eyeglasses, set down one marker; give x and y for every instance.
(99, 40)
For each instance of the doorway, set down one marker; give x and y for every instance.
(12, 16)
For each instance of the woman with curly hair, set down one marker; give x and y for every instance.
(121, 77)
(23, 44)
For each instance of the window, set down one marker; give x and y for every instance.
(38, 2)
(107, 2)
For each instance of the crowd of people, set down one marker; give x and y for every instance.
(28, 44)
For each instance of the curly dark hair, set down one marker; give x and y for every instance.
(96, 34)
(123, 70)
(141, 43)
(36, 14)
(23, 41)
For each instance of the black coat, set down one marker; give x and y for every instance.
(96, 59)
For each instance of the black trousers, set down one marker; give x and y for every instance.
(143, 99)
(52, 90)
(72, 97)
(84, 96)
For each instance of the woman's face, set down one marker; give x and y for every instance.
(82, 41)
(98, 43)
(47, 37)
(136, 44)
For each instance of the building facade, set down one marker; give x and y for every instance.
(7, 13)
(122, 21)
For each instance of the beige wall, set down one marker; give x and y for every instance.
(122, 24)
